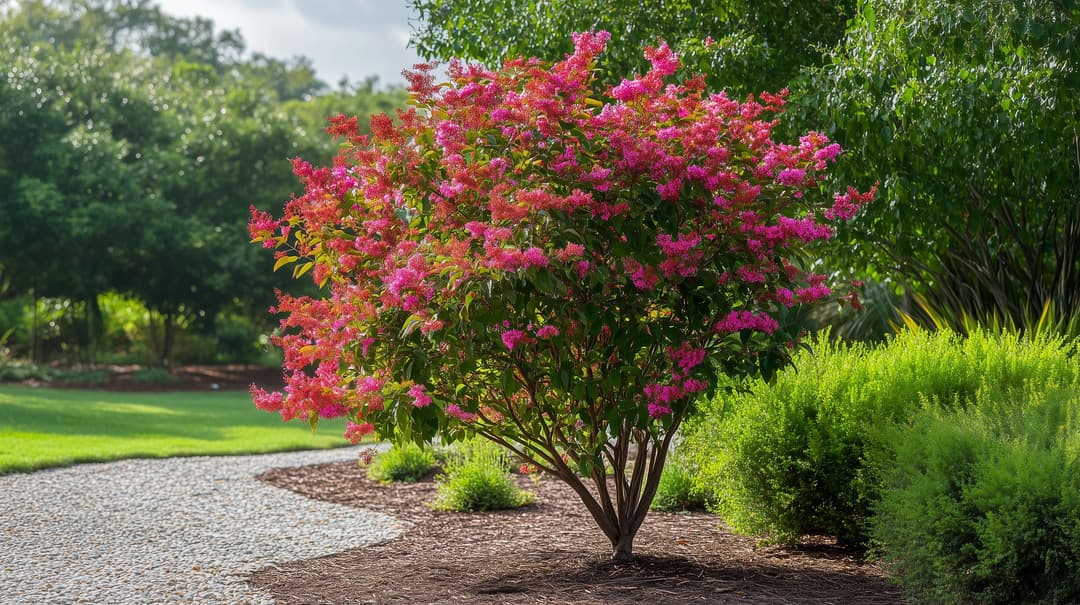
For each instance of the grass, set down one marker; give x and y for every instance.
(41, 428)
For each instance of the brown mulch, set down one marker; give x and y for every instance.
(551, 552)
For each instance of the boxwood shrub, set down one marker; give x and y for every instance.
(982, 504)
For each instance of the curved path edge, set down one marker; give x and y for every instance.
(170, 530)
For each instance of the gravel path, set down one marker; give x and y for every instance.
(174, 530)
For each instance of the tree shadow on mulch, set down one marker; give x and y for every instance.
(551, 552)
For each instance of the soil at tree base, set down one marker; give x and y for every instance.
(551, 552)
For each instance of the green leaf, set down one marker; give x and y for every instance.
(284, 260)
(508, 382)
(300, 270)
(411, 324)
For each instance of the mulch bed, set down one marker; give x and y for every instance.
(551, 552)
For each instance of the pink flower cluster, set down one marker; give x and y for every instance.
(736, 321)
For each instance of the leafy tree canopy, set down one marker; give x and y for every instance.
(969, 112)
(744, 46)
(132, 144)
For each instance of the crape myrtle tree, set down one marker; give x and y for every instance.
(551, 266)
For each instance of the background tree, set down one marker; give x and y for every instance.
(754, 46)
(132, 144)
(969, 112)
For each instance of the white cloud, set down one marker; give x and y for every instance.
(357, 38)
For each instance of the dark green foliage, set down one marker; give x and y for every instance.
(983, 505)
(14, 371)
(756, 46)
(968, 113)
(154, 376)
(805, 454)
(409, 463)
(132, 145)
(477, 478)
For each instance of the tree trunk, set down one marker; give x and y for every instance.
(619, 513)
(622, 549)
(95, 327)
(34, 348)
(621, 518)
(167, 339)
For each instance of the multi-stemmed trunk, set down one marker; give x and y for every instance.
(618, 492)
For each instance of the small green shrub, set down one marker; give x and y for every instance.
(983, 505)
(87, 376)
(802, 456)
(17, 371)
(409, 463)
(477, 478)
(677, 489)
(14, 371)
(154, 376)
(237, 339)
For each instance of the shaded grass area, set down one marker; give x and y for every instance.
(41, 428)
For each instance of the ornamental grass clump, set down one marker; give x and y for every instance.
(406, 462)
(556, 267)
(476, 477)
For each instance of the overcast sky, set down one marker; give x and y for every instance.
(354, 38)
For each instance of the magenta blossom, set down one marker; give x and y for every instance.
(512, 338)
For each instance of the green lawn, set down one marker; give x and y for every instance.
(41, 428)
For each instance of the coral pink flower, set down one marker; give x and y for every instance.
(547, 331)
(355, 432)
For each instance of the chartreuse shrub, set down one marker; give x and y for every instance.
(407, 462)
(982, 504)
(801, 455)
(552, 264)
(476, 476)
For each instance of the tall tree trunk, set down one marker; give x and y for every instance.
(95, 327)
(169, 329)
(34, 346)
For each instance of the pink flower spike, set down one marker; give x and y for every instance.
(460, 414)
(271, 402)
(737, 321)
(332, 410)
(792, 177)
(534, 257)
(664, 61)
(629, 90)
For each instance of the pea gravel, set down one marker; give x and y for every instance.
(174, 530)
